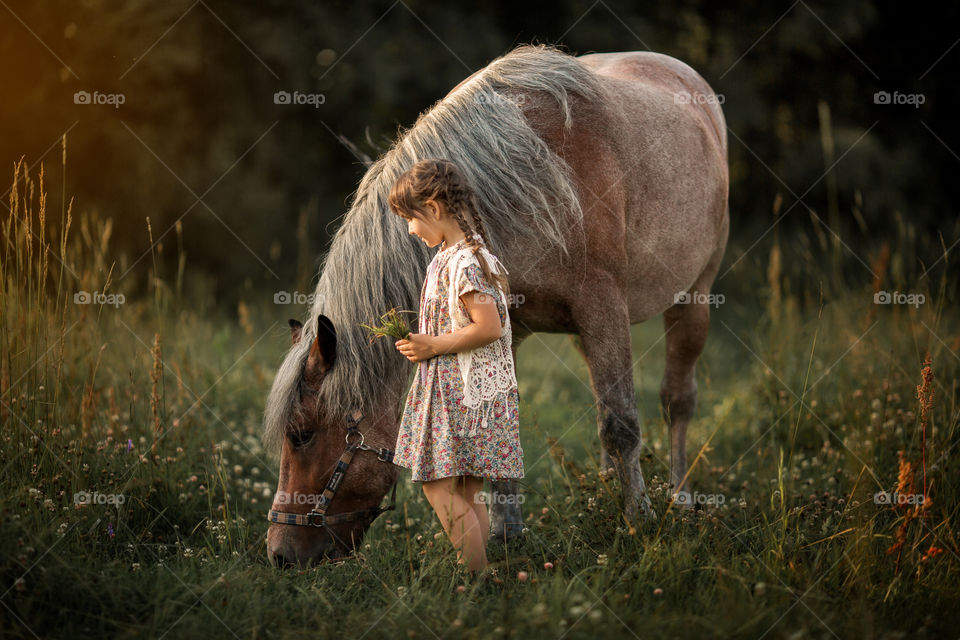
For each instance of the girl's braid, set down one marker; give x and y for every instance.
(462, 204)
(441, 180)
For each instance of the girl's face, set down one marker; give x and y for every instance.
(425, 228)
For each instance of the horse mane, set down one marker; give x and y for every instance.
(523, 189)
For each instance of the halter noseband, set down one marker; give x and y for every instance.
(317, 517)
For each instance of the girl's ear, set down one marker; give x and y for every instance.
(433, 210)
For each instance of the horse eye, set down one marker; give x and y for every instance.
(300, 439)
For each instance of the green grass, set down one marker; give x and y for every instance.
(797, 549)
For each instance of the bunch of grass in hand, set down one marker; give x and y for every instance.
(391, 324)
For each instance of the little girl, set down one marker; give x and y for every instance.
(461, 419)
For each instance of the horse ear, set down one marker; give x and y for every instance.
(323, 351)
(296, 328)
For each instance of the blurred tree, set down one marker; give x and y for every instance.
(199, 118)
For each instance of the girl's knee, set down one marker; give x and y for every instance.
(438, 487)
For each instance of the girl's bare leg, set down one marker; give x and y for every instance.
(458, 520)
(471, 489)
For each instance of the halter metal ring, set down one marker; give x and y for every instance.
(354, 432)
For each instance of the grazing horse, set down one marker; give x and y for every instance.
(602, 181)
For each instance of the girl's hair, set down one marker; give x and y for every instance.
(442, 181)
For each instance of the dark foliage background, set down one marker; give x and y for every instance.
(200, 139)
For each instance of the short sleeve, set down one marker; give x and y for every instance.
(473, 279)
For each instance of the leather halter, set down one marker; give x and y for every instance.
(317, 517)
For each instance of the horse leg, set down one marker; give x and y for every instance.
(506, 517)
(605, 344)
(685, 326)
(606, 462)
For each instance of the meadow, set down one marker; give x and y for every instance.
(134, 487)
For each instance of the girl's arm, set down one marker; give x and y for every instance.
(484, 329)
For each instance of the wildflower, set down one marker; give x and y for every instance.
(548, 566)
(129, 444)
(110, 529)
(391, 324)
(932, 552)
(658, 591)
(522, 576)
(602, 559)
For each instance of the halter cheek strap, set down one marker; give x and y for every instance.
(317, 517)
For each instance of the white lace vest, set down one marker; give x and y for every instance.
(487, 371)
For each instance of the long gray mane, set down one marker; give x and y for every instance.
(373, 264)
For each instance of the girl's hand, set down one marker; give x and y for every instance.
(417, 346)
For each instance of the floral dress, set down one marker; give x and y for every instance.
(437, 437)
